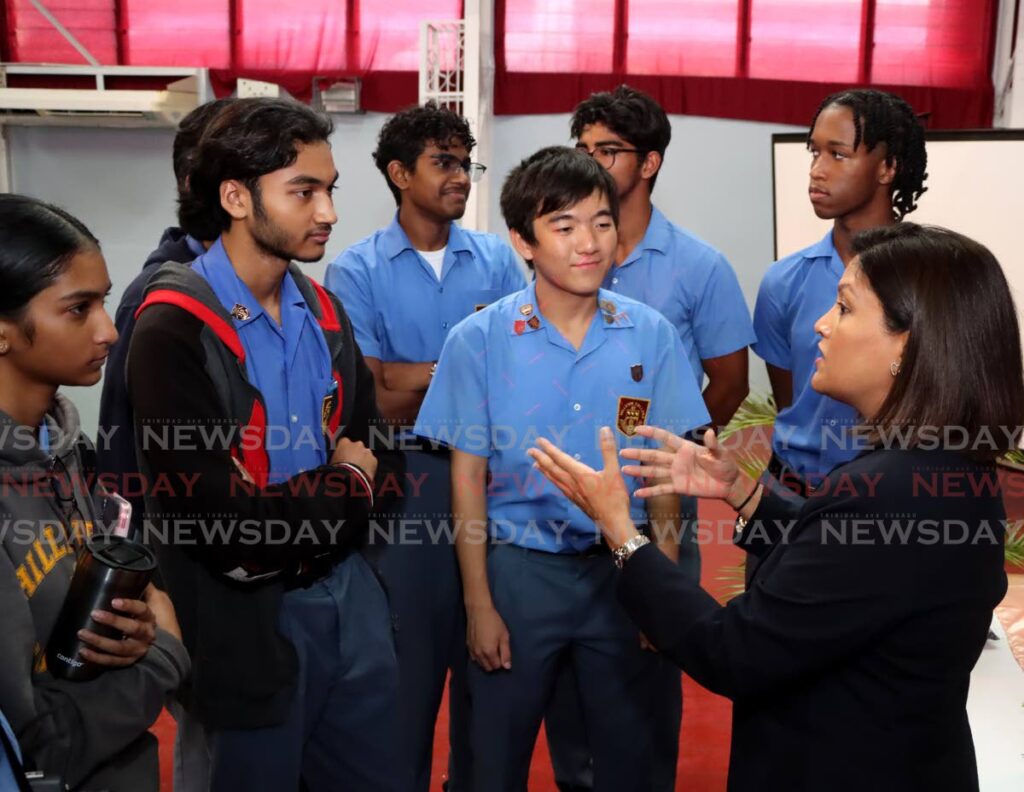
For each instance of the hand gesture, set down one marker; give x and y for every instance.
(601, 494)
(685, 468)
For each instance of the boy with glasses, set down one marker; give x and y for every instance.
(694, 287)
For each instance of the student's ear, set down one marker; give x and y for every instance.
(520, 245)
(651, 165)
(886, 172)
(235, 199)
(398, 174)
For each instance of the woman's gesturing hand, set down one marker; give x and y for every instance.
(601, 494)
(682, 467)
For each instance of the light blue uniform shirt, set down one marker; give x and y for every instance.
(8, 782)
(399, 309)
(692, 285)
(501, 383)
(288, 363)
(813, 434)
(194, 245)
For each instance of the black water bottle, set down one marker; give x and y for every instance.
(110, 567)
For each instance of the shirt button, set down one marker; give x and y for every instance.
(444, 325)
(615, 280)
(577, 407)
(575, 456)
(295, 419)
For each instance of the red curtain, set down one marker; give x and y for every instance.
(759, 60)
(764, 60)
(288, 44)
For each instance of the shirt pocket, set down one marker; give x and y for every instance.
(478, 299)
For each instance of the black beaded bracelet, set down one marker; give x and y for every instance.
(746, 500)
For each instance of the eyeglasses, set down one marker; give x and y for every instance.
(450, 164)
(605, 155)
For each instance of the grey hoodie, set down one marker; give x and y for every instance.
(91, 733)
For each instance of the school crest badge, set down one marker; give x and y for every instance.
(631, 414)
(326, 409)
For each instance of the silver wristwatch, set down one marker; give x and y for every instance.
(621, 554)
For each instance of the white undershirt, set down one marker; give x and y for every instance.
(435, 258)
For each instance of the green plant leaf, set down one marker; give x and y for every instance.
(758, 409)
(733, 580)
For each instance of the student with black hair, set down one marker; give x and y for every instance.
(270, 483)
(693, 286)
(404, 288)
(868, 165)
(116, 446)
(563, 356)
(659, 263)
(54, 331)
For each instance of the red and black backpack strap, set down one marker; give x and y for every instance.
(250, 451)
(322, 304)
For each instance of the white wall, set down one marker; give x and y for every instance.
(716, 182)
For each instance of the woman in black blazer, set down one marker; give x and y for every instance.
(849, 657)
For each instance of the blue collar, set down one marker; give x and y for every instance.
(658, 236)
(194, 245)
(396, 241)
(823, 248)
(525, 316)
(215, 267)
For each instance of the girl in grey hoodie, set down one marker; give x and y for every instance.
(54, 331)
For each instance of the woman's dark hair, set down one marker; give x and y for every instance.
(961, 365)
(37, 242)
(554, 178)
(631, 114)
(247, 139)
(406, 134)
(880, 117)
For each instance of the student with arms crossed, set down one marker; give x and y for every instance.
(693, 286)
(405, 287)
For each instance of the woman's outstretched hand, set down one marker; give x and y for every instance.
(601, 494)
(682, 467)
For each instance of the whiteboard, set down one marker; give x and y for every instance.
(975, 186)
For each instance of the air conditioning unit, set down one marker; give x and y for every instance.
(99, 95)
(333, 95)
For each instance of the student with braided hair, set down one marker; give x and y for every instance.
(868, 164)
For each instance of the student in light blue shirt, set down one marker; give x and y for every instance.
(868, 164)
(296, 677)
(693, 286)
(404, 288)
(10, 760)
(560, 358)
(657, 262)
